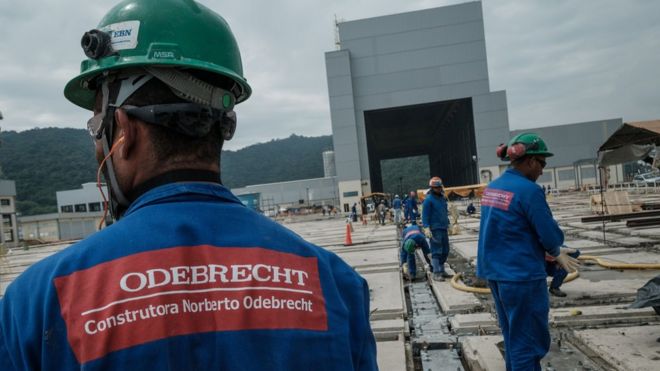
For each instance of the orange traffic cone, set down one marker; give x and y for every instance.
(348, 241)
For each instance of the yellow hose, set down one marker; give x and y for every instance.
(571, 276)
(606, 264)
(463, 287)
(485, 290)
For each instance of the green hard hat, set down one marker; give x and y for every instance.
(176, 33)
(409, 245)
(533, 143)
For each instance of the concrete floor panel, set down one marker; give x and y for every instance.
(467, 249)
(391, 355)
(453, 301)
(629, 348)
(371, 258)
(473, 323)
(386, 294)
(481, 353)
(599, 315)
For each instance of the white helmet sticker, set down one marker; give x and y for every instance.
(123, 35)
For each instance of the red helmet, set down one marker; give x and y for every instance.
(435, 182)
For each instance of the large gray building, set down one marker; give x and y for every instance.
(414, 84)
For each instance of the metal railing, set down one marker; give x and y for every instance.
(638, 187)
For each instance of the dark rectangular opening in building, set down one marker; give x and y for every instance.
(402, 175)
(443, 131)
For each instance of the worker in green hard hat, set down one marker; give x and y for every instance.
(187, 277)
(516, 231)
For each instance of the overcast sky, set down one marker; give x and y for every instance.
(559, 61)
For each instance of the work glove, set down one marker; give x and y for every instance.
(568, 250)
(427, 233)
(568, 263)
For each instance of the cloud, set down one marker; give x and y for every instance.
(560, 62)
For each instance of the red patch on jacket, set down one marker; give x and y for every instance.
(185, 290)
(497, 198)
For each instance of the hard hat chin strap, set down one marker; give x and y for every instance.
(118, 203)
(185, 86)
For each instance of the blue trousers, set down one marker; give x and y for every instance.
(439, 249)
(404, 257)
(522, 311)
(411, 215)
(558, 273)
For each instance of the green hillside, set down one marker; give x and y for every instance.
(43, 161)
(293, 158)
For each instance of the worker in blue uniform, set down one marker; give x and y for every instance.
(436, 221)
(516, 231)
(412, 237)
(410, 207)
(471, 209)
(187, 278)
(396, 205)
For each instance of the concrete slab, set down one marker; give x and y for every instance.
(397, 324)
(465, 236)
(481, 353)
(585, 226)
(647, 232)
(581, 244)
(386, 294)
(389, 329)
(629, 348)
(473, 323)
(453, 301)
(371, 258)
(600, 251)
(633, 241)
(600, 315)
(391, 355)
(604, 289)
(636, 257)
(467, 249)
(598, 235)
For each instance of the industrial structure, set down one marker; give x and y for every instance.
(78, 216)
(8, 227)
(272, 198)
(414, 84)
(405, 86)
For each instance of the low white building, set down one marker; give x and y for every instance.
(9, 226)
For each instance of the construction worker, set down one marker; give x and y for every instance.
(410, 207)
(396, 205)
(381, 210)
(516, 230)
(187, 277)
(436, 221)
(354, 212)
(412, 237)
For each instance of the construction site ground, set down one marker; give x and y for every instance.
(428, 325)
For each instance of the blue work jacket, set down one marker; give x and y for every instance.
(396, 204)
(516, 230)
(410, 203)
(434, 212)
(188, 279)
(415, 233)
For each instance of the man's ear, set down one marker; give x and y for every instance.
(127, 129)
